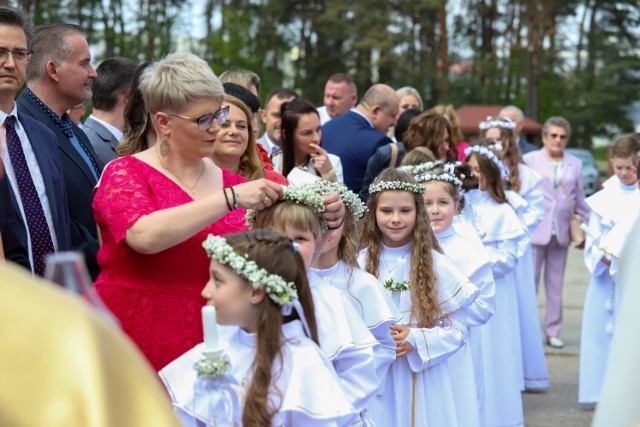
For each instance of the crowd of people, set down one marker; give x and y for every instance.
(366, 264)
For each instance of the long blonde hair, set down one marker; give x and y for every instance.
(425, 304)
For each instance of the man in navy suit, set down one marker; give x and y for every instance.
(355, 136)
(37, 221)
(59, 76)
(105, 125)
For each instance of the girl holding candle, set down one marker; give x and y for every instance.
(344, 337)
(462, 244)
(432, 298)
(500, 230)
(257, 277)
(523, 183)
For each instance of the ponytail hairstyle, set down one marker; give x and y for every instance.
(510, 155)
(425, 305)
(274, 252)
(137, 122)
(290, 113)
(490, 171)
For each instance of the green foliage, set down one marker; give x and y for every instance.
(583, 64)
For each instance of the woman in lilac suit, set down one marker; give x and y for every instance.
(562, 189)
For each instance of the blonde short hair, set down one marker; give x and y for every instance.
(177, 80)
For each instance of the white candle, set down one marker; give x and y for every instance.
(210, 327)
(401, 266)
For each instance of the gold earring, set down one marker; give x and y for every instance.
(164, 147)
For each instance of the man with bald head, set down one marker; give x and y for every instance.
(514, 113)
(356, 135)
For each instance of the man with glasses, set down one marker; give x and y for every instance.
(32, 163)
(563, 195)
(59, 77)
(356, 135)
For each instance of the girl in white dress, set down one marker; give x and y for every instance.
(462, 244)
(337, 265)
(614, 205)
(343, 335)
(283, 377)
(500, 231)
(432, 296)
(525, 182)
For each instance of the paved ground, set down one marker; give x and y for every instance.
(559, 405)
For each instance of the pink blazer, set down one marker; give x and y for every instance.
(556, 205)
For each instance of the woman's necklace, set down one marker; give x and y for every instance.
(190, 188)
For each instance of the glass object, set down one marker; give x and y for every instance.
(68, 270)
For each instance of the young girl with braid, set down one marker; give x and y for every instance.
(432, 296)
(524, 182)
(460, 242)
(500, 230)
(343, 335)
(284, 379)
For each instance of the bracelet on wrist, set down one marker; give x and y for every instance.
(226, 199)
(235, 197)
(337, 226)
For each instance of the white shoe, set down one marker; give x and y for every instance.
(555, 342)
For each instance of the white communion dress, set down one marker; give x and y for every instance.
(305, 387)
(419, 388)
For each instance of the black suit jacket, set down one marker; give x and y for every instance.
(79, 182)
(14, 248)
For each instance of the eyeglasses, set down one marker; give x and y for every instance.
(557, 135)
(205, 121)
(22, 56)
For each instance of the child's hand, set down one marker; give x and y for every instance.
(333, 214)
(400, 334)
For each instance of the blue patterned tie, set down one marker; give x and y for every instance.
(41, 243)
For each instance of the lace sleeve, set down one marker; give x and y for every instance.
(123, 196)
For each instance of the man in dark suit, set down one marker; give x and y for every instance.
(356, 135)
(34, 201)
(59, 76)
(105, 125)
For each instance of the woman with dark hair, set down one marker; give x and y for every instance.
(139, 133)
(301, 139)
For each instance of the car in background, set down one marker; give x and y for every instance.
(590, 171)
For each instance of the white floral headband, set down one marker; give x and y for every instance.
(420, 168)
(300, 195)
(350, 199)
(440, 177)
(505, 123)
(485, 151)
(396, 185)
(279, 290)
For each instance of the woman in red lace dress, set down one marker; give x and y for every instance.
(155, 208)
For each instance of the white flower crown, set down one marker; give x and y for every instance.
(300, 195)
(439, 177)
(485, 151)
(450, 168)
(350, 199)
(504, 123)
(279, 290)
(420, 167)
(396, 185)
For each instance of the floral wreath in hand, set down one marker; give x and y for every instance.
(504, 123)
(396, 185)
(300, 195)
(420, 167)
(279, 290)
(350, 199)
(491, 155)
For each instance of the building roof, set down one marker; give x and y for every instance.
(472, 115)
